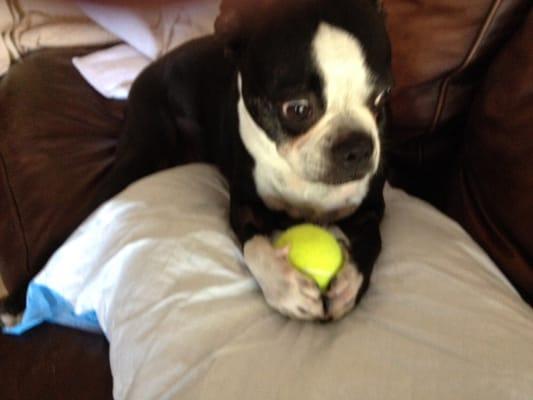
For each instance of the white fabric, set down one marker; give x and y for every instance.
(185, 320)
(112, 71)
(149, 30)
(27, 25)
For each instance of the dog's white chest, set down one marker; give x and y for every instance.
(282, 190)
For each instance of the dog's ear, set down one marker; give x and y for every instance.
(230, 27)
(379, 5)
(236, 20)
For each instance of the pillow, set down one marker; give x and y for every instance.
(158, 271)
(26, 25)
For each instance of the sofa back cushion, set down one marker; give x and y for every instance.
(441, 49)
(493, 192)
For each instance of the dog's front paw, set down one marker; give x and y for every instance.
(285, 289)
(343, 291)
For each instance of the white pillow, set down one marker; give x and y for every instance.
(158, 270)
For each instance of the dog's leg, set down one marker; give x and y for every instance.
(285, 289)
(343, 291)
(353, 280)
(361, 240)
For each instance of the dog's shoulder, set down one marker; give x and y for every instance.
(203, 56)
(192, 69)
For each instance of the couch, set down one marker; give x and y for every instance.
(460, 138)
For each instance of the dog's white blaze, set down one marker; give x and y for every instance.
(341, 60)
(347, 79)
(282, 189)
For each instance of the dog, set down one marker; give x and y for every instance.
(289, 99)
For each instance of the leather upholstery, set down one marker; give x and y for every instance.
(493, 191)
(55, 363)
(441, 49)
(57, 138)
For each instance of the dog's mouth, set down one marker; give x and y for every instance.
(332, 160)
(335, 175)
(335, 179)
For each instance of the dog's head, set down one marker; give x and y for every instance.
(314, 77)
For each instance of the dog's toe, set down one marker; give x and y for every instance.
(342, 294)
(285, 289)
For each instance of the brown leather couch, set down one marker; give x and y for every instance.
(461, 138)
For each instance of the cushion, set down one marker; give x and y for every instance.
(492, 197)
(441, 51)
(158, 271)
(57, 140)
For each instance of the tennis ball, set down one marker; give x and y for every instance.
(314, 251)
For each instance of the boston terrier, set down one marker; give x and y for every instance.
(288, 99)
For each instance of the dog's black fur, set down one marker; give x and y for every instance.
(185, 104)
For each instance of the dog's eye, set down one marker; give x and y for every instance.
(378, 101)
(298, 114)
(298, 111)
(381, 97)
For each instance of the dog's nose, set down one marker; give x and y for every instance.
(352, 151)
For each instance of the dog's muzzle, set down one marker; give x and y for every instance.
(350, 157)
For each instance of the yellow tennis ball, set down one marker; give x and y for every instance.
(314, 251)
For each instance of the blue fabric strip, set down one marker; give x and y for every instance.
(46, 305)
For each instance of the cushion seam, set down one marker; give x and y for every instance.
(443, 91)
(494, 230)
(17, 212)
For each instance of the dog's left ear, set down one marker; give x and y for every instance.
(232, 25)
(236, 20)
(228, 28)
(379, 5)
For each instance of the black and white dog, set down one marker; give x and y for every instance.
(288, 100)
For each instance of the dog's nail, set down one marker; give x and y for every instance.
(282, 252)
(306, 283)
(302, 310)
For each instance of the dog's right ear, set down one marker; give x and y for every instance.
(379, 5)
(229, 28)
